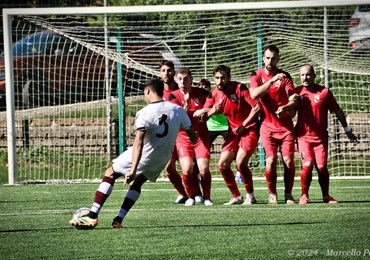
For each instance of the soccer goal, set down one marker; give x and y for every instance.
(74, 76)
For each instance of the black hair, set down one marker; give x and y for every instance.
(223, 69)
(272, 48)
(167, 63)
(155, 85)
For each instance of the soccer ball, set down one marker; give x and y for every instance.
(79, 213)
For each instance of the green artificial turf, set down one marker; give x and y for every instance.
(34, 224)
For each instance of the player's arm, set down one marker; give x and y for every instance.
(256, 110)
(290, 107)
(137, 150)
(342, 119)
(192, 135)
(208, 109)
(202, 114)
(261, 90)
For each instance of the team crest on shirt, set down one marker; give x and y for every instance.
(316, 98)
(277, 84)
(196, 101)
(234, 99)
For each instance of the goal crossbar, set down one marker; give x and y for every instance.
(180, 8)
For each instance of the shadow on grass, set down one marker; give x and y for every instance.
(167, 226)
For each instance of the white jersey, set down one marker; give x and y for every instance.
(161, 121)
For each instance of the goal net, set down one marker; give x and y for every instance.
(78, 75)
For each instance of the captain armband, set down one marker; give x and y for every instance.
(347, 129)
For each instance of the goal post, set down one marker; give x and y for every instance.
(65, 68)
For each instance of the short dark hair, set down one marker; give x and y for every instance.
(272, 48)
(167, 63)
(205, 82)
(223, 69)
(184, 70)
(155, 85)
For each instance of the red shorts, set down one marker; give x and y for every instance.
(247, 141)
(271, 141)
(199, 150)
(314, 150)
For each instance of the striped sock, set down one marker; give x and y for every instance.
(102, 193)
(131, 197)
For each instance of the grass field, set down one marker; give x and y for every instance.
(34, 225)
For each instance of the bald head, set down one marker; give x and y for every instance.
(307, 75)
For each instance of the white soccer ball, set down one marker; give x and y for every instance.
(79, 213)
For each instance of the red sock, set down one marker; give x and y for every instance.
(176, 181)
(324, 180)
(246, 175)
(271, 178)
(229, 179)
(306, 178)
(206, 183)
(289, 174)
(189, 184)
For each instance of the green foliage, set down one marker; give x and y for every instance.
(34, 224)
(3, 167)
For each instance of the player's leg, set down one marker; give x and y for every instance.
(321, 156)
(102, 193)
(224, 164)
(130, 199)
(228, 153)
(270, 146)
(175, 178)
(287, 151)
(196, 176)
(186, 163)
(248, 143)
(202, 154)
(206, 180)
(307, 157)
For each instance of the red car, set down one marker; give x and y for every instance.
(51, 69)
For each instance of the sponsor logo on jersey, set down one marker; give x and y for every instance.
(196, 101)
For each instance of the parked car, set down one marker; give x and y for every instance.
(51, 69)
(359, 29)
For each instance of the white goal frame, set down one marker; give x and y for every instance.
(9, 13)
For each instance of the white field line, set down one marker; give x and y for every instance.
(196, 208)
(214, 179)
(172, 189)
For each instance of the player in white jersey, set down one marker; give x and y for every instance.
(157, 127)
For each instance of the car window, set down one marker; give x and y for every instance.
(364, 8)
(44, 44)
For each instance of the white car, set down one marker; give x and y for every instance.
(359, 29)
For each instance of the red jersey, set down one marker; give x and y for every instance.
(277, 95)
(197, 99)
(166, 92)
(235, 101)
(313, 111)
